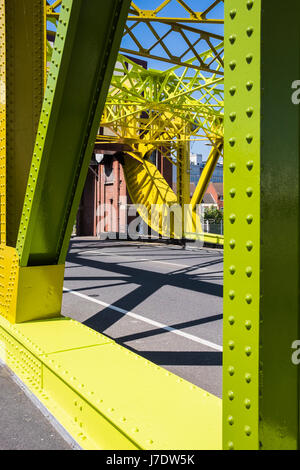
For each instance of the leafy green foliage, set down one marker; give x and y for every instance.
(214, 215)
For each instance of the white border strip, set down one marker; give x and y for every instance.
(202, 341)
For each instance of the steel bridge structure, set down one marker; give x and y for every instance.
(149, 110)
(105, 396)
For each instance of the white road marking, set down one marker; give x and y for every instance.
(142, 259)
(196, 339)
(177, 264)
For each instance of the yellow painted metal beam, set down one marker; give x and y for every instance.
(2, 124)
(28, 293)
(206, 174)
(214, 239)
(24, 89)
(105, 396)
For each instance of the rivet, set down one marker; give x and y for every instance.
(249, 138)
(231, 370)
(232, 14)
(248, 298)
(232, 167)
(232, 90)
(232, 116)
(248, 351)
(231, 294)
(249, 191)
(249, 245)
(250, 164)
(247, 403)
(232, 39)
(249, 219)
(231, 320)
(232, 269)
(249, 58)
(249, 31)
(232, 192)
(247, 430)
(248, 324)
(248, 378)
(250, 4)
(230, 445)
(249, 112)
(231, 395)
(232, 65)
(231, 345)
(232, 218)
(249, 86)
(249, 271)
(232, 244)
(230, 420)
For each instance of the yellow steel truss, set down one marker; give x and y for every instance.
(150, 110)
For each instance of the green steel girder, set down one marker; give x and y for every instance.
(85, 50)
(261, 265)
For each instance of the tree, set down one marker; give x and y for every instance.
(213, 215)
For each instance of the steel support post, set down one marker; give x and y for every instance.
(183, 181)
(206, 175)
(2, 124)
(261, 268)
(43, 191)
(85, 51)
(25, 76)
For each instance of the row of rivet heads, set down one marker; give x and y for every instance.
(43, 126)
(249, 112)
(21, 358)
(92, 396)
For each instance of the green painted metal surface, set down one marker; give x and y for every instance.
(85, 50)
(261, 268)
(280, 237)
(242, 226)
(25, 69)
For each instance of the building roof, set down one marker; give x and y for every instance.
(208, 199)
(218, 188)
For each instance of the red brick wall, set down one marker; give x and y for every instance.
(111, 194)
(106, 188)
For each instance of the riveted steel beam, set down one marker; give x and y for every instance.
(261, 268)
(2, 124)
(85, 50)
(24, 91)
(77, 374)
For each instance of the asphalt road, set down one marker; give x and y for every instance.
(162, 302)
(22, 424)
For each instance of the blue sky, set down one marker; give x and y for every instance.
(175, 10)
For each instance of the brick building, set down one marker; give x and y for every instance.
(104, 202)
(216, 192)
